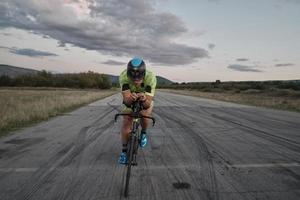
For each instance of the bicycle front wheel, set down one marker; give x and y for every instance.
(130, 151)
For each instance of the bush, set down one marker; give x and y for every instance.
(5, 80)
(251, 91)
(46, 79)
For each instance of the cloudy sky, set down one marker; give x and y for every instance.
(191, 40)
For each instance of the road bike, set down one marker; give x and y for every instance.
(134, 138)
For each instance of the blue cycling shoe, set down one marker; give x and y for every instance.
(122, 158)
(143, 141)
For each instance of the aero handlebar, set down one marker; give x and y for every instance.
(135, 116)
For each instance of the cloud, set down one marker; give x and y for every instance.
(242, 59)
(31, 52)
(112, 27)
(211, 46)
(293, 1)
(6, 34)
(113, 62)
(243, 68)
(284, 65)
(61, 44)
(28, 52)
(280, 4)
(5, 48)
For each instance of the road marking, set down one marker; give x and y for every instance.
(265, 165)
(154, 167)
(164, 167)
(23, 169)
(147, 167)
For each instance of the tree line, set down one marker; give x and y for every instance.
(237, 86)
(47, 79)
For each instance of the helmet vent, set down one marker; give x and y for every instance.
(136, 62)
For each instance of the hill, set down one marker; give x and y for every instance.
(160, 80)
(113, 79)
(13, 71)
(163, 81)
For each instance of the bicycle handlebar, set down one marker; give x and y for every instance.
(135, 116)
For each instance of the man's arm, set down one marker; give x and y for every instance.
(147, 102)
(128, 97)
(149, 91)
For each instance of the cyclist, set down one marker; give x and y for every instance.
(136, 83)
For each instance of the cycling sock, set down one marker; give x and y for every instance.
(124, 148)
(143, 131)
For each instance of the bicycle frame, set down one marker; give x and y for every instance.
(136, 107)
(134, 136)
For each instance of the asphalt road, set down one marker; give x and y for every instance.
(199, 149)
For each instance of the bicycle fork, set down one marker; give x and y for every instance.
(134, 144)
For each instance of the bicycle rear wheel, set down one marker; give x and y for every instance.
(130, 151)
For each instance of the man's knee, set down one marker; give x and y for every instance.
(147, 112)
(127, 122)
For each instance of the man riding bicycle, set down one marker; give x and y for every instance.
(136, 83)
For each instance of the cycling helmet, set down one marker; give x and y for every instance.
(136, 69)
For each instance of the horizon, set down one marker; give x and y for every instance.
(161, 76)
(191, 41)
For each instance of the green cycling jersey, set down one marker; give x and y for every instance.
(148, 85)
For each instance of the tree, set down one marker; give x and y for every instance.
(5, 80)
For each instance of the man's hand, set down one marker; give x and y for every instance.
(134, 96)
(129, 98)
(142, 97)
(146, 99)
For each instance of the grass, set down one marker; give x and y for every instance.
(24, 106)
(277, 99)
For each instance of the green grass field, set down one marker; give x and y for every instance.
(24, 106)
(280, 99)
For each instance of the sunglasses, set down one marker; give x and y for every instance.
(136, 74)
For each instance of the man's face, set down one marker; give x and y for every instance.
(137, 82)
(136, 76)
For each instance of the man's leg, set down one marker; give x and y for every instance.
(145, 124)
(126, 127)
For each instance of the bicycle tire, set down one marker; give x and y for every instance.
(129, 164)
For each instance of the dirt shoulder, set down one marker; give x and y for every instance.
(21, 107)
(284, 101)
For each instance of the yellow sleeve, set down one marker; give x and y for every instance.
(123, 78)
(150, 85)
